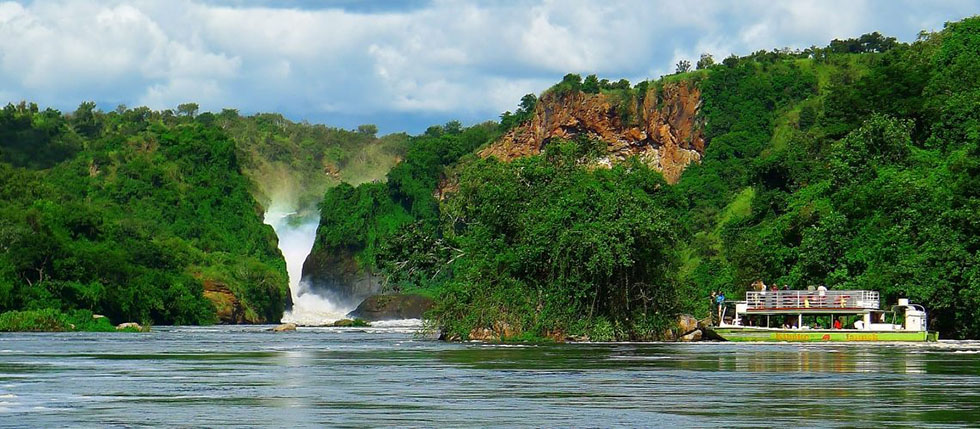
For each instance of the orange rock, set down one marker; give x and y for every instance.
(667, 135)
(228, 307)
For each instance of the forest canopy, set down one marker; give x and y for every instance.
(853, 166)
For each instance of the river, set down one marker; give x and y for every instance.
(315, 377)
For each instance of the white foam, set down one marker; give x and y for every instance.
(310, 309)
(403, 323)
(296, 240)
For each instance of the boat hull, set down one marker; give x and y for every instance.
(740, 334)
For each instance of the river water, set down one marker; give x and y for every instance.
(315, 377)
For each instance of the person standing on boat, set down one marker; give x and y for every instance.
(822, 293)
(837, 324)
(720, 301)
(711, 303)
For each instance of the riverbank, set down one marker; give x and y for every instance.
(51, 320)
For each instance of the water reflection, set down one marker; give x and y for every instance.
(377, 377)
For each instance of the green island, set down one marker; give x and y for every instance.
(855, 165)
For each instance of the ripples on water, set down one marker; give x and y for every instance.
(246, 376)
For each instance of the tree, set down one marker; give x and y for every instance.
(620, 84)
(187, 109)
(730, 61)
(591, 84)
(705, 61)
(573, 79)
(528, 102)
(368, 129)
(453, 127)
(228, 114)
(569, 84)
(808, 117)
(683, 66)
(84, 119)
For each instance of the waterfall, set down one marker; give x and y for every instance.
(297, 232)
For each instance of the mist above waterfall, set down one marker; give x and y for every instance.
(291, 166)
(296, 229)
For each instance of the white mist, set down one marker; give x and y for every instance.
(297, 232)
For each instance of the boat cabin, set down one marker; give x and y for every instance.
(821, 309)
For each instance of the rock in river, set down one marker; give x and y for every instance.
(129, 325)
(391, 307)
(285, 327)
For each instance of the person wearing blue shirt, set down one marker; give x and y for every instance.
(720, 301)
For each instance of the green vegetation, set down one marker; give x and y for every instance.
(853, 165)
(546, 246)
(129, 214)
(352, 323)
(293, 164)
(358, 220)
(863, 163)
(135, 213)
(52, 320)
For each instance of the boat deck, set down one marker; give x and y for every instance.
(740, 333)
(811, 302)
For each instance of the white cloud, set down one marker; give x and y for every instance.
(438, 61)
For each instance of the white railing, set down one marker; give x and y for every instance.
(812, 300)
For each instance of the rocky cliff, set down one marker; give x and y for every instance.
(661, 127)
(336, 275)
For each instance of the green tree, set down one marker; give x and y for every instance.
(705, 61)
(591, 84)
(368, 129)
(683, 66)
(187, 109)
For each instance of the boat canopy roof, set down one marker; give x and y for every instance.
(811, 302)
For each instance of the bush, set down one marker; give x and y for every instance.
(52, 320)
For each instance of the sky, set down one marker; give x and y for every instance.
(403, 65)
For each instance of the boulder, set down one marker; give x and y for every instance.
(391, 307)
(482, 334)
(693, 336)
(129, 325)
(685, 328)
(686, 323)
(285, 327)
(499, 331)
(707, 322)
(348, 323)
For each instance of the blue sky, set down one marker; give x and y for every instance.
(402, 65)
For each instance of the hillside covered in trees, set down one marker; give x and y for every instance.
(854, 165)
(156, 217)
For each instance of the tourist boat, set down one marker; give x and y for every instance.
(791, 315)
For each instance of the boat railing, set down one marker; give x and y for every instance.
(803, 300)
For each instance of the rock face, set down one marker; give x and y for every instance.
(227, 306)
(335, 275)
(666, 133)
(391, 307)
(499, 331)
